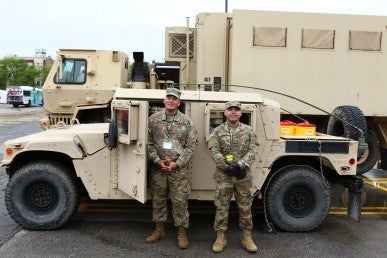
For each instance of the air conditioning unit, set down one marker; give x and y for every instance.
(176, 43)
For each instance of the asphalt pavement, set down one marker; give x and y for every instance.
(85, 237)
(14, 122)
(110, 231)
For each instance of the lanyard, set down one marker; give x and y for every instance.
(231, 130)
(169, 123)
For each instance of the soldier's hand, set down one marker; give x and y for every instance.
(240, 174)
(163, 164)
(237, 171)
(172, 165)
(228, 171)
(234, 167)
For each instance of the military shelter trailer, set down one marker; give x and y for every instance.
(3, 97)
(109, 161)
(336, 62)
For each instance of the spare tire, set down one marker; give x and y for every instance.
(346, 121)
(369, 158)
(343, 120)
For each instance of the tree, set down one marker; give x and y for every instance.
(18, 72)
(43, 73)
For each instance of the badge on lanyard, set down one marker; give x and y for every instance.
(167, 145)
(229, 158)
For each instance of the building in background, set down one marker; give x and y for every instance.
(40, 58)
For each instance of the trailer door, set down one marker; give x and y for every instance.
(132, 124)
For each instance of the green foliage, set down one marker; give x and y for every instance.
(43, 73)
(17, 72)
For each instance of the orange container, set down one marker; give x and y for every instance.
(305, 129)
(287, 128)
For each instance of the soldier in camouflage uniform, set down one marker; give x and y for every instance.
(172, 141)
(234, 146)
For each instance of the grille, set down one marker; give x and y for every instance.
(55, 119)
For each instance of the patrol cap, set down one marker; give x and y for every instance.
(233, 103)
(173, 92)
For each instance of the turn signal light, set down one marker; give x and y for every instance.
(44, 123)
(9, 151)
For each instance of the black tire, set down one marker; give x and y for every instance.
(354, 116)
(15, 105)
(369, 158)
(297, 199)
(41, 195)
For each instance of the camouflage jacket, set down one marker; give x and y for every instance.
(242, 143)
(182, 135)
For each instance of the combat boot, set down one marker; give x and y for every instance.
(220, 242)
(156, 235)
(182, 238)
(248, 242)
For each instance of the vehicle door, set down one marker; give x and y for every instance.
(131, 118)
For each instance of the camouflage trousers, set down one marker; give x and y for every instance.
(178, 185)
(226, 187)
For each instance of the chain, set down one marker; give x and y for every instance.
(265, 211)
(116, 166)
(270, 229)
(325, 181)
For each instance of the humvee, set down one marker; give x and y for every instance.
(49, 170)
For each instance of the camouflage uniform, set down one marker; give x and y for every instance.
(242, 143)
(183, 136)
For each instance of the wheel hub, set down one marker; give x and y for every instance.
(299, 202)
(40, 197)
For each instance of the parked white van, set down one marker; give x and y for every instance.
(3, 96)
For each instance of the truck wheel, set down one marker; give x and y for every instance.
(41, 195)
(369, 158)
(297, 200)
(353, 115)
(15, 105)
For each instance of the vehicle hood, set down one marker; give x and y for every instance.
(62, 139)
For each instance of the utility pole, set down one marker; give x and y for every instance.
(226, 6)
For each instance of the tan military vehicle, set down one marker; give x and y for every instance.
(49, 170)
(332, 61)
(81, 84)
(336, 62)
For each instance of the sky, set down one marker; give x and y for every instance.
(128, 25)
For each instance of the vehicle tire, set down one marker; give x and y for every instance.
(354, 116)
(297, 200)
(369, 158)
(41, 195)
(15, 105)
(343, 117)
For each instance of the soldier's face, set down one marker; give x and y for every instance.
(233, 114)
(171, 103)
